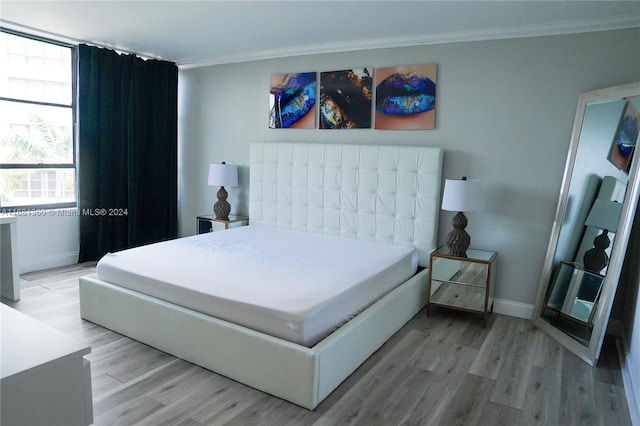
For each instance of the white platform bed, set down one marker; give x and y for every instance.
(379, 194)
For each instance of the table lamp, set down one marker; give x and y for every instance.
(461, 196)
(222, 175)
(604, 215)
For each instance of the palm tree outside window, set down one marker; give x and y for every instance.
(37, 110)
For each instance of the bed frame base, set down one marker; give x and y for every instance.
(304, 376)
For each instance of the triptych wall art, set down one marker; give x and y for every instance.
(401, 97)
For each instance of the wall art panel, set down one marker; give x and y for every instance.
(345, 99)
(292, 101)
(406, 97)
(624, 141)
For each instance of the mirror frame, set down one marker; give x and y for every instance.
(591, 353)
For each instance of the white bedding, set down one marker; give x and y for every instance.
(294, 285)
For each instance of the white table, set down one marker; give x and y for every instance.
(9, 280)
(45, 379)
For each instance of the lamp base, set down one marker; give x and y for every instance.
(458, 239)
(222, 208)
(596, 259)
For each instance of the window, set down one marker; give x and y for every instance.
(37, 111)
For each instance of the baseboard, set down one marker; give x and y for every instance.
(48, 262)
(512, 309)
(631, 383)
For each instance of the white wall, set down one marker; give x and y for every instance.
(47, 239)
(504, 115)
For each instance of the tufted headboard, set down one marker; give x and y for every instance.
(383, 193)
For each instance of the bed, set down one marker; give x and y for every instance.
(370, 195)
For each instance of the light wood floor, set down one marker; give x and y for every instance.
(442, 370)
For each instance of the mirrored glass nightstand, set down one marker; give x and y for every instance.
(462, 283)
(209, 223)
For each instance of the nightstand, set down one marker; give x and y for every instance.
(209, 223)
(462, 283)
(574, 293)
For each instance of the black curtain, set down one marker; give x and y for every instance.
(127, 151)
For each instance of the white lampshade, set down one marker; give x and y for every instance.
(463, 195)
(604, 214)
(223, 175)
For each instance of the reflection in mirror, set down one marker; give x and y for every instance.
(604, 215)
(598, 200)
(573, 297)
(593, 177)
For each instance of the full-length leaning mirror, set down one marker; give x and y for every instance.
(598, 201)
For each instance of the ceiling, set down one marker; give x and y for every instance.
(199, 33)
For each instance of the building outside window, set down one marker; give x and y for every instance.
(37, 110)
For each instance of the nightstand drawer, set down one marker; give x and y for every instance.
(459, 271)
(460, 296)
(221, 226)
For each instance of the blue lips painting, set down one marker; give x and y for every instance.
(406, 97)
(626, 136)
(293, 100)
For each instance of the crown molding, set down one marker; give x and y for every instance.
(560, 28)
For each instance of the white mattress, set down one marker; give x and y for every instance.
(294, 285)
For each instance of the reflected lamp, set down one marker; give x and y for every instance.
(222, 175)
(461, 196)
(604, 215)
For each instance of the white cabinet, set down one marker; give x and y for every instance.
(45, 379)
(9, 280)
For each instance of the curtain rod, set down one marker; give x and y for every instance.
(4, 24)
